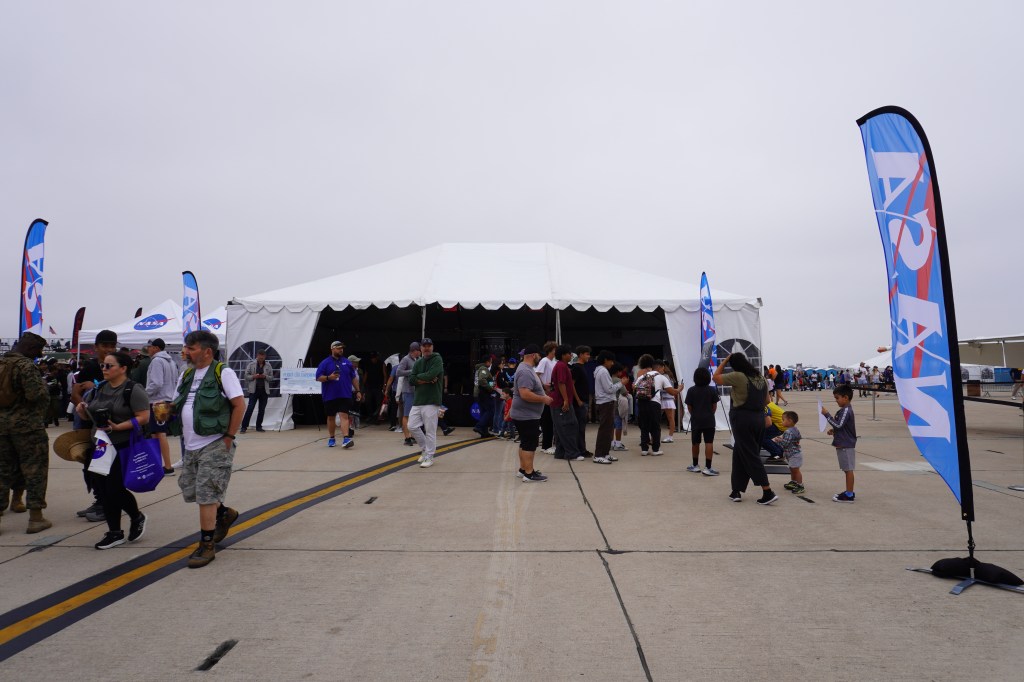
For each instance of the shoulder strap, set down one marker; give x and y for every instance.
(128, 386)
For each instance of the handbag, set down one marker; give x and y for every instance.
(141, 463)
(103, 454)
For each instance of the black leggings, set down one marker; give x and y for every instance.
(114, 497)
(748, 432)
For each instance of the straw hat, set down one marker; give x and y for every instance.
(74, 446)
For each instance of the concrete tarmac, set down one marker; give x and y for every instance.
(638, 570)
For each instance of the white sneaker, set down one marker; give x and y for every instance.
(427, 462)
(612, 458)
(644, 453)
(667, 439)
(549, 451)
(709, 471)
(602, 460)
(420, 460)
(177, 465)
(578, 458)
(657, 453)
(694, 468)
(619, 447)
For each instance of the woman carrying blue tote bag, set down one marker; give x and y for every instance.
(141, 464)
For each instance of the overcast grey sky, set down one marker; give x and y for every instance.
(264, 144)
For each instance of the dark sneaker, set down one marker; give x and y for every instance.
(535, 477)
(259, 429)
(91, 509)
(735, 496)
(790, 485)
(448, 431)
(224, 522)
(242, 430)
(410, 441)
(844, 496)
(111, 539)
(137, 528)
(768, 498)
(96, 516)
(523, 473)
(204, 554)
(168, 471)
(798, 489)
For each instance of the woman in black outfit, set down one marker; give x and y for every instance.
(749, 398)
(111, 407)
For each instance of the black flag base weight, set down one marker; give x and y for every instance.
(969, 571)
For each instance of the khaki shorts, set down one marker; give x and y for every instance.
(205, 473)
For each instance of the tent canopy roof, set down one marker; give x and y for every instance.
(495, 275)
(159, 322)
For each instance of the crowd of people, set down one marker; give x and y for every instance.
(543, 398)
(116, 401)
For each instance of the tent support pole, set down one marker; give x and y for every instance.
(423, 323)
(558, 326)
(1002, 344)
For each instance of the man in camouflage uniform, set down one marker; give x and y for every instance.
(24, 445)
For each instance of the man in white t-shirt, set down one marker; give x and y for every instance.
(544, 369)
(211, 404)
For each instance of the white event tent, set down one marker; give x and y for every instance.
(491, 276)
(162, 321)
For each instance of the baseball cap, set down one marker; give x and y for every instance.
(415, 345)
(426, 342)
(354, 358)
(531, 348)
(107, 336)
(337, 344)
(159, 343)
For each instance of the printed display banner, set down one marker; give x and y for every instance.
(925, 356)
(707, 326)
(299, 381)
(189, 305)
(79, 320)
(31, 307)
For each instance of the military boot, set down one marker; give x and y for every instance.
(204, 554)
(36, 522)
(18, 501)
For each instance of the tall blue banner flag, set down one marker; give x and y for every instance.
(190, 316)
(925, 356)
(708, 357)
(31, 305)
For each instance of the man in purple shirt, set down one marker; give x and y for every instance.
(339, 384)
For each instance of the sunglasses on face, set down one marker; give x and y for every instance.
(107, 365)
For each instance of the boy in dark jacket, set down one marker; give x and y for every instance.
(844, 438)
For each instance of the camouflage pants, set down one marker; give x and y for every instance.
(25, 458)
(206, 472)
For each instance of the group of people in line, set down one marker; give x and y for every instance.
(204, 402)
(544, 397)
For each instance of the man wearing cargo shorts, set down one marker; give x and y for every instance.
(211, 404)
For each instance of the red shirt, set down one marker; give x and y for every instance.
(561, 374)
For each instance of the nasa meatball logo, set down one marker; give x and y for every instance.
(152, 322)
(213, 323)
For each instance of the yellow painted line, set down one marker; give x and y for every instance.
(46, 615)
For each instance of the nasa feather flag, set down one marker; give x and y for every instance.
(31, 304)
(708, 358)
(925, 356)
(190, 315)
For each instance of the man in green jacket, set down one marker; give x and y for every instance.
(427, 379)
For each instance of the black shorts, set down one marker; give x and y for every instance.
(333, 407)
(708, 434)
(529, 433)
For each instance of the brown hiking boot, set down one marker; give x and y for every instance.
(17, 501)
(36, 522)
(204, 554)
(224, 523)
